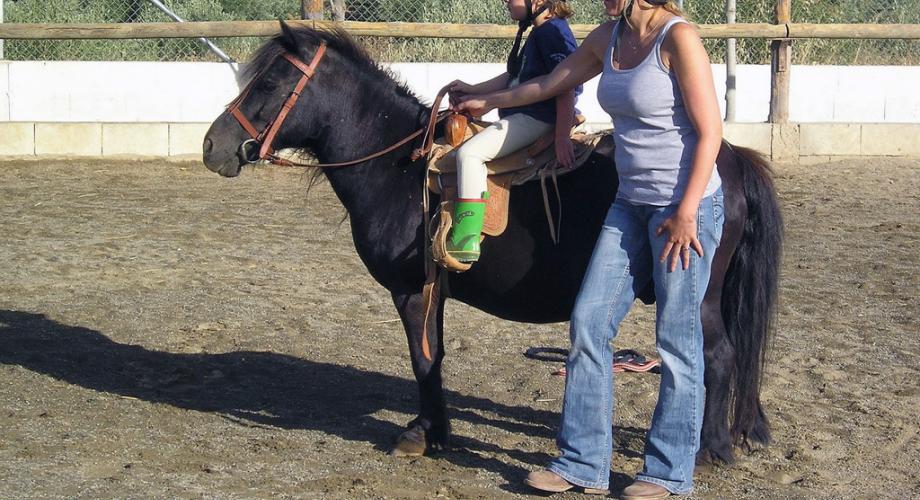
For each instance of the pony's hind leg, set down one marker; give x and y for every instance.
(431, 428)
(718, 352)
(715, 439)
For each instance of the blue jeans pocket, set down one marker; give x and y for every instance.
(718, 213)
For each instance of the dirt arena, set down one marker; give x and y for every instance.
(165, 332)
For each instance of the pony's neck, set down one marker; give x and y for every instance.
(360, 130)
(381, 187)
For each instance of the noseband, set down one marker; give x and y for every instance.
(263, 140)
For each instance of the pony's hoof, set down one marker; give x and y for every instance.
(410, 443)
(713, 456)
(703, 468)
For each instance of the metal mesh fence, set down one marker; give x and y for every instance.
(750, 51)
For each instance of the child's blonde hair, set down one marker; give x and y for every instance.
(559, 9)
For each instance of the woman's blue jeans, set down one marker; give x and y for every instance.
(625, 259)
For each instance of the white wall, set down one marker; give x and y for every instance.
(855, 94)
(116, 91)
(198, 92)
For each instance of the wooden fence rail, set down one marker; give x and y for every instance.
(219, 29)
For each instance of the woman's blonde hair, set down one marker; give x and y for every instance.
(673, 8)
(670, 6)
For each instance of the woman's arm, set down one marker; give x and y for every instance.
(584, 64)
(690, 64)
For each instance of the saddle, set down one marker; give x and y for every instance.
(534, 162)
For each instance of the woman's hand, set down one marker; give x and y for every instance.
(565, 151)
(681, 229)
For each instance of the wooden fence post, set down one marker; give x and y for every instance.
(781, 51)
(311, 9)
(338, 10)
(785, 143)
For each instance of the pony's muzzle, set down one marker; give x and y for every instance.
(249, 151)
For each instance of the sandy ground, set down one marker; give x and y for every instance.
(168, 333)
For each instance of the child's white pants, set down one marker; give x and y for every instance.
(500, 139)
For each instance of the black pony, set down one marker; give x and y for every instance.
(352, 108)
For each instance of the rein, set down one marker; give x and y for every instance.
(266, 137)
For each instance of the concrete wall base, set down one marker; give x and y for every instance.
(788, 142)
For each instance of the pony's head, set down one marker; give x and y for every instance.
(252, 124)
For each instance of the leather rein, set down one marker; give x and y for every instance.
(266, 137)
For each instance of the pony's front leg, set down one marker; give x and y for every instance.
(431, 429)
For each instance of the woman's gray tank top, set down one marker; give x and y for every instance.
(655, 139)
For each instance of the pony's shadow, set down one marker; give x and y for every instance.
(263, 388)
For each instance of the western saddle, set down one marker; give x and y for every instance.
(534, 162)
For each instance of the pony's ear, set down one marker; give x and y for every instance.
(288, 37)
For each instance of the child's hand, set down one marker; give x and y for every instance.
(474, 105)
(459, 86)
(457, 89)
(565, 151)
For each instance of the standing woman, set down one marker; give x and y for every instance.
(664, 227)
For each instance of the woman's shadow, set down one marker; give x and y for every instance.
(263, 388)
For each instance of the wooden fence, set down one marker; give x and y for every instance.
(782, 32)
(219, 29)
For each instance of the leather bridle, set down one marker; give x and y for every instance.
(266, 137)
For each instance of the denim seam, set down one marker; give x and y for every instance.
(616, 294)
(608, 405)
(694, 313)
(608, 380)
(694, 320)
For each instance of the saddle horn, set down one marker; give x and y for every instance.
(455, 128)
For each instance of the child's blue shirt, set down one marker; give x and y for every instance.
(547, 45)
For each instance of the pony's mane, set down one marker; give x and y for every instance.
(336, 39)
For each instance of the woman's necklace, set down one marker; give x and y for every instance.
(641, 39)
(618, 54)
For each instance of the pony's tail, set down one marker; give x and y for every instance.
(750, 292)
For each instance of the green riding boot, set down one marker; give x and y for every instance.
(463, 241)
